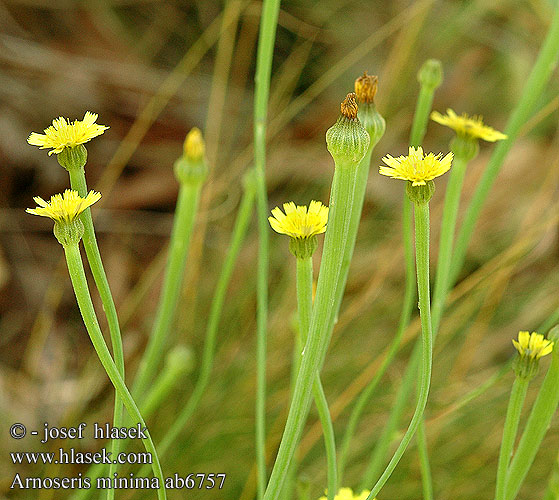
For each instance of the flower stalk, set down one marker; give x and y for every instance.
(78, 182)
(421, 210)
(419, 170)
(264, 57)
(512, 420)
(347, 141)
(302, 224)
(67, 141)
(79, 283)
(374, 124)
(65, 211)
(191, 171)
(304, 304)
(239, 232)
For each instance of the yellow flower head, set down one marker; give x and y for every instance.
(532, 345)
(65, 134)
(64, 207)
(347, 494)
(466, 126)
(416, 167)
(300, 222)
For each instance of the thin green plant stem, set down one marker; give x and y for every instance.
(329, 439)
(341, 200)
(421, 116)
(536, 427)
(239, 232)
(185, 213)
(362, 401)
(430, 77)
(419, 127)
(426, 476)
(448, 228)
(165, 382)
(391, 428)
(374, 467)
(304, 304)
(179, 362)
(265, 52)
(78, 183)
(541, 73)
(552, 491)
(360, 189)
(81, 290)
(512, 420)
(422, 266)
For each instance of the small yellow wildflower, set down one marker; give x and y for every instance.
(466, 126)
(532, 345)
(65, 134)
(300, 222)
(347, 494)
(416, 167)
(64, 207)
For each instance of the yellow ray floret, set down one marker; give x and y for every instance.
(347, 494)
(468, 126)
(65, 134)
(64, 207)
(533, 345)
(416, 167)
(300, 222)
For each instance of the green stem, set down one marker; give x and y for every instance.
(422, 264)
(426, 476)
(448, 228)
(187, 205)
(165, 382)
(421, 115)
(78, 183)
(540, 75)
(304, 295)
(536, 427)
(359, 198)
(79, 282)
(266, 40)
(362, 401)
(419, 126)
(374, 468)
(552, 492)
(341, 200)
(304, 303)
(516, 402)
(239, 233)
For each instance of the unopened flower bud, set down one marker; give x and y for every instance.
(347, 140)
(431, 73)
(194, 145)
(191, 167)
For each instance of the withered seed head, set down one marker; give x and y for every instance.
(349, 106)
(366, 88)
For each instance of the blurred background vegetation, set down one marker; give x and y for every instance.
(154, 69)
